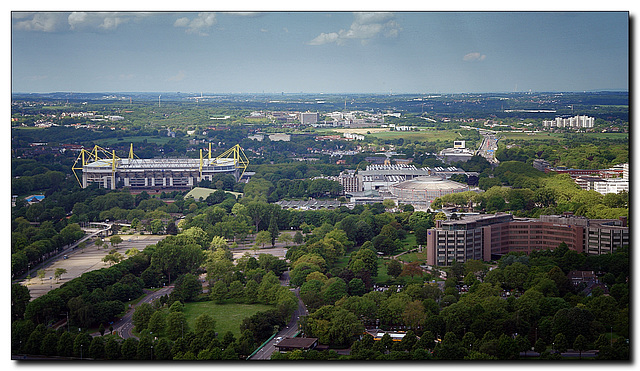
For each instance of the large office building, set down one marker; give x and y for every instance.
(309, 117)
(489, 236)
(111, 172)
(570, 122)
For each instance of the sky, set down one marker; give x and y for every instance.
(319, 52)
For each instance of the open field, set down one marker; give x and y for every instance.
(84, 260)
(361, 130)
(228, 317)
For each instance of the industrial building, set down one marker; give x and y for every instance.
(489, 236)
(111, 172)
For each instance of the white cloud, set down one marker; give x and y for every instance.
(365, 27)
(105, 21)
(199, 25)
(475, 56)
(245, 14)
(324, 38)
(43, 22)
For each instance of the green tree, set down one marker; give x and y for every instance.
(262, 238)
(297, 238)
(285, 238)
(129, 349)
(81, 345)
(49, 344)
(177, 325)
(41, 273)
(394, 268)
(112, 349)
(157, 322)
(20, 297)
(333, 325)
(141, 316)
(560, 343)
(273, 230)
(334, 289)
(219, 291)
(115, 240)
(96, 349)
(204, 323)
(580, 344)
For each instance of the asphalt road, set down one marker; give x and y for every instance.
(289, 330)
(124, 326)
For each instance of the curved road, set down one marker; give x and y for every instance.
(292, 327)
(124, 326)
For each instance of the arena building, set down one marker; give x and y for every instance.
(381, 177)
(423, 190)
(110, 171)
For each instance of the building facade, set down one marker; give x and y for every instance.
(489, 236)
(309, 117)
(570, 122)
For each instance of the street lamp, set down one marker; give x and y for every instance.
(611, 338)
(81, 350)
(151, 351)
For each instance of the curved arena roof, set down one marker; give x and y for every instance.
(423, 190)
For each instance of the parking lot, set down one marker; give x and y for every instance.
(84, 260)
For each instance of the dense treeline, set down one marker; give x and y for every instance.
(576, 154)
(532, 193)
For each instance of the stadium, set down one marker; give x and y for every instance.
(111, 172)
(423, 190)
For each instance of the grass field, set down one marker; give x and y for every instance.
(414, 256)
(228, 317)
(422, 136)
(382, 276)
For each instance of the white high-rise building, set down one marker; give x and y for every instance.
(308, 117)
(571, 122)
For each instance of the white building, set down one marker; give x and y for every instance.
(571, 122)
(280, 137)
(611, 186)
(308, 117)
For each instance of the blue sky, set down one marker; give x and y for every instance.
(319, 52)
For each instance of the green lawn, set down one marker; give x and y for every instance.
(408, 243)
(343, 261)
(382, 276)
(423, 135)
(414, 256)
(228, 317)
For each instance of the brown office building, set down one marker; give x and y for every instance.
(489, 236)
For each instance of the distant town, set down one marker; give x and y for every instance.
(320, 226)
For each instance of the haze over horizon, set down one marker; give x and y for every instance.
(319, 52)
